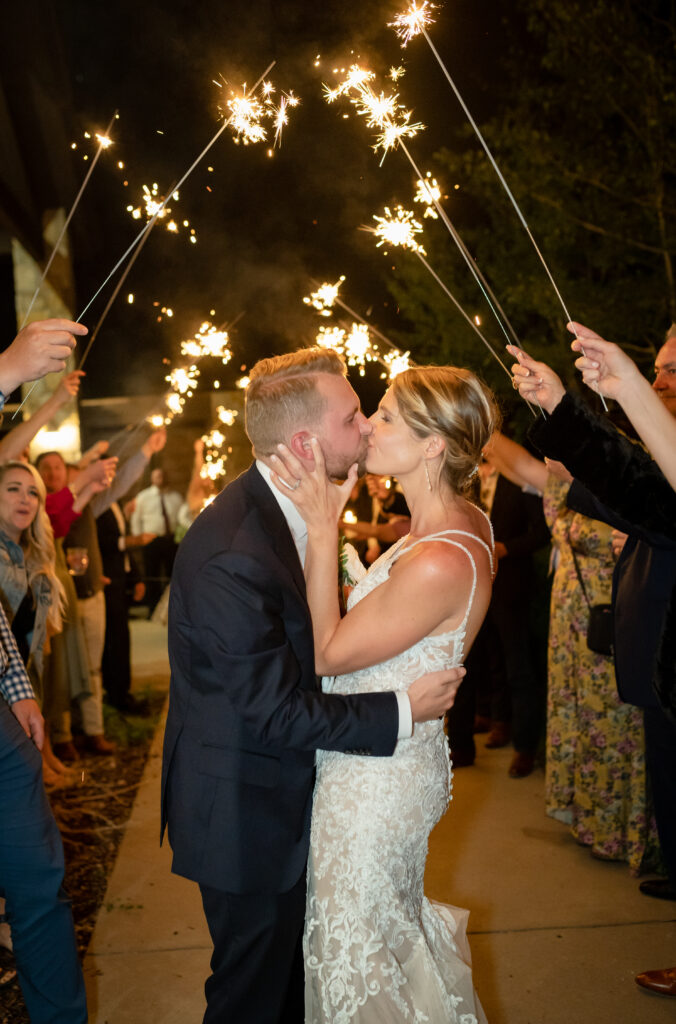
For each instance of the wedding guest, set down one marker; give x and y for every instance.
(30, 592)
(17, 440)
(507, 671)
(123, 577)
(616, 479)
(89, 585)
(156, 511)
(595, 776)
(31, 852)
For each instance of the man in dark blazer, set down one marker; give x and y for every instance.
(246, 714)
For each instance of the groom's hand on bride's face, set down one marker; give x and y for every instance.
(433, 694)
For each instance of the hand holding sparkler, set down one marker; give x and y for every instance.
(536, 382)
(604, 366)
(39, 348)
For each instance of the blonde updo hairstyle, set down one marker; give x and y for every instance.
(454, 404)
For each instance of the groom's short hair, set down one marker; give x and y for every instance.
(282, 395)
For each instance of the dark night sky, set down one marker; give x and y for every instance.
(268, 225)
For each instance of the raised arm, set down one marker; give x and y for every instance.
(609, 371)
(18, 439)
(517, 464)
(39, 348)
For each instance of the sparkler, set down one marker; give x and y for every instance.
(214, 456)
(415, 21)
(104, 142)
(400, 229)
(152, 204)
(247, 113)
(427, 191)
(208, 341)
(323, 300)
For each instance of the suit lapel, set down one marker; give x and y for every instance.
(274, 525)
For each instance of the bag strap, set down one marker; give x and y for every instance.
(579, 574)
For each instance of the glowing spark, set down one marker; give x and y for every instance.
(397, 362)
(349, 516)
(172, 226)
(156, 421)
(246, 113)
(243, 383)
(427, 191)
(213, 469)
(393, 132)
(175, 403)
(103, 141)
(358, 349)
(227, 416)
(208, 341)
(324, 298)
(130, 298)
(413, 21)
(397, 73)
(183, 379)
(379, 110)
(331, 337)
(281, 119)
(398, 228)
(215, 439)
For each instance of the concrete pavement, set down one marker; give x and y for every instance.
(556, 936)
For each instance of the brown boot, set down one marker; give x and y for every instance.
(66, 751)
(499, 736)
(99, 745)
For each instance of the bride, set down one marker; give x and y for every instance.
(376, 950)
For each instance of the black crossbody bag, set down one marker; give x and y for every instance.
(600, 631)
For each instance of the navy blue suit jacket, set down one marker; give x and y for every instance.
(245, 712)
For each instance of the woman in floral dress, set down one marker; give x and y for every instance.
(595, 771)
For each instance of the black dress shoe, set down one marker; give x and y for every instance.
(660, 888)
(462, 758)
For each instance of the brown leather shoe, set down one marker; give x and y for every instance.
(663, 983)
(99, 745)
(499, 736)
(521, 766)
(66, 751)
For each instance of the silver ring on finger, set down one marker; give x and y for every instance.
(294, 486)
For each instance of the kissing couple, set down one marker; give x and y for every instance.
(302, 809)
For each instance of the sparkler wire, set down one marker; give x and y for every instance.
(55, 249)
(151, 223)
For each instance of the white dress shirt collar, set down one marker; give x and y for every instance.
(294, 519)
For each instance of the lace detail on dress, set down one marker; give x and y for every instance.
(376, 950)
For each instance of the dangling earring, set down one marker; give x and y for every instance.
(427, 474)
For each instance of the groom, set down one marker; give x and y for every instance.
(246, 714)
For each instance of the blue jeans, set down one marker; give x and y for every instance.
(31, 880)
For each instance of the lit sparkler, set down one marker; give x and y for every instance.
(427, 193)
(413, 21)
(397, 362)
(183, 379)
(214, 442)
(399, 229)
(324, 297)
(104, 142)
(227, 416)
(247, 113)
(331, 337)
(208, 341)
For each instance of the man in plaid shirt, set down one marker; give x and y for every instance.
(31, 852)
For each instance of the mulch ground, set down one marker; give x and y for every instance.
(92, 816)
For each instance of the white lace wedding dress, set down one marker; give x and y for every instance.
(377, 951)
